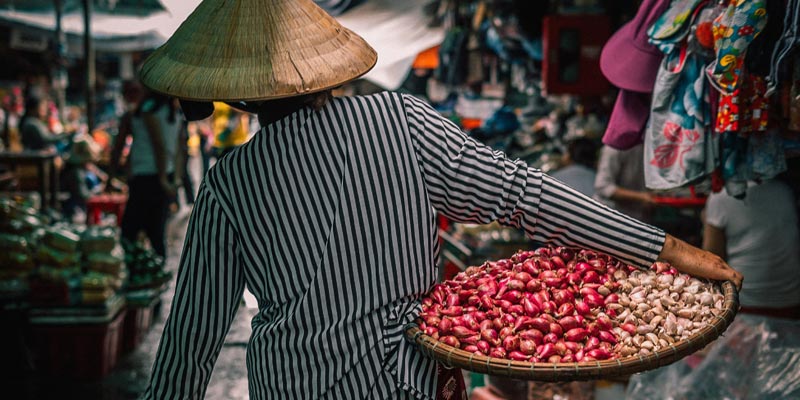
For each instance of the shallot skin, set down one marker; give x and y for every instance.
(557, 304)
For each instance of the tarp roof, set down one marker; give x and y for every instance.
(398, 30)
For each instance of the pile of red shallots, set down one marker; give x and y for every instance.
(554, 304)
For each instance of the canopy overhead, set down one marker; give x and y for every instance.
(397, 30)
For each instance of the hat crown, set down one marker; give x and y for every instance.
(232, 50)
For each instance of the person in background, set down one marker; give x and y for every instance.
(188, 185)
(33, 126)
(155, 160)
(205, 132)
(579, 166)
(80, 176)
(620, 182)
(230, 129)
(758, 236)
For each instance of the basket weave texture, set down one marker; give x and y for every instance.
(549, 372)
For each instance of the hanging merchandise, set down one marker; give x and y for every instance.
(679, 149)
(751, 158)
(674, 25)
(733, 32)
(788, 42)
(635, 77)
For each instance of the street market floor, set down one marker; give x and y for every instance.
(129, 378)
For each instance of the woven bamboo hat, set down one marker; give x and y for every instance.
(248, 50)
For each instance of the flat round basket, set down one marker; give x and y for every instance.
(457, 358)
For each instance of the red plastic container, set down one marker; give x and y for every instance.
(82, 351)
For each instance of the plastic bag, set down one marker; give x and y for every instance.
(99, 239)
(106, 262)
(757, 358)
(13, 243)
(62, 239)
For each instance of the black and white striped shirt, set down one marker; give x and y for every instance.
(328, 217)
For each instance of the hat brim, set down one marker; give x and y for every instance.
(627, 66)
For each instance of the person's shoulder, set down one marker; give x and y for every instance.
(380, 102)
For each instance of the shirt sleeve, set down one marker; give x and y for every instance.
(716, 214)
(469, 182)
(208, 290)
(607, 169)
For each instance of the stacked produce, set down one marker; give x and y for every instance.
(105, 271)
(558, 304)
(146, 267)
(57, 264)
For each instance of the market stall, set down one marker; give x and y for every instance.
(80, 300)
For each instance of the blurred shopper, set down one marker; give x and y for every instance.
(579, 163)
(205, 132)
(154, 161)
(620, 182)
(36, 135)
(230, 129)
(758, 236)
(80, 177)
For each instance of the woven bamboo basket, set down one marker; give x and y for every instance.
(452, 357)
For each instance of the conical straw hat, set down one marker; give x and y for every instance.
(246, 50)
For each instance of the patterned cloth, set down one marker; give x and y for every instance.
(679, 147)
(746, 109)
(674, 25)
(733, 32)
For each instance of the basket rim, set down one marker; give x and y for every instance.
(452, 357)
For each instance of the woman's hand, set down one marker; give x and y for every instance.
(693, 261)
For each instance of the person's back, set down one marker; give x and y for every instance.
(762, 242)
(142, 155)
(580, 161)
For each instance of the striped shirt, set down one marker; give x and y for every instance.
(329, 218)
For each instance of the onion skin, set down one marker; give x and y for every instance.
(446, 325)
(541, 324)
(518, 356)
(607, 336)
(483, 346)
(451, 341)
(532, 334)
(568, 323)
(565, 309)
(527, 347)
(556, 329)
(497, 352)
(576, 334)
(545, 351)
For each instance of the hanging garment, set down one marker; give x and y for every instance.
(733, 32)
(679, 147)
(746, 109)
(788, 41)
(674, 25)
(751, 158)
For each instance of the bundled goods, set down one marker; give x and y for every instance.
(16, 258)
(562, 305)
(97, 239)
(146, 269)
(96, 288)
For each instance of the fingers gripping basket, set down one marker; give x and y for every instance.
(453, 357)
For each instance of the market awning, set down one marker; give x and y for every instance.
(398, 30)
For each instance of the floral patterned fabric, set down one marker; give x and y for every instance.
(679, 146)
(734, 30)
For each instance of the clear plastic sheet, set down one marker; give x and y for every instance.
(757, 358)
